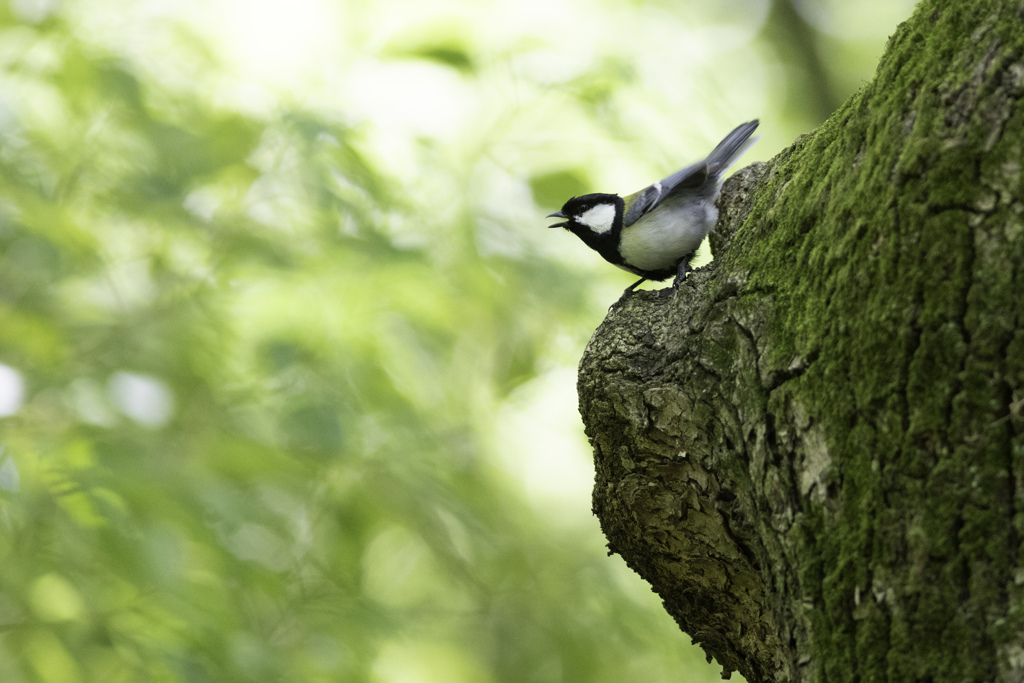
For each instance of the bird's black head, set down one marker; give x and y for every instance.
(597, 220)
(595, 214)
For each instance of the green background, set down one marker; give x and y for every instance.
(287, 355)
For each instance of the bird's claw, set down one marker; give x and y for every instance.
(684, 268)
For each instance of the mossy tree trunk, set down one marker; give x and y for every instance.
(813, 450)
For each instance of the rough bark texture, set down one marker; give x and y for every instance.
(813, 449)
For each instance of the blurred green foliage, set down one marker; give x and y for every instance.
(254, 445)
(258, 373)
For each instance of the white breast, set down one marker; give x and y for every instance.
(662, 237)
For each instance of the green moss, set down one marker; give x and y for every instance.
(892, 240)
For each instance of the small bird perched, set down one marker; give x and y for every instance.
(655, 232)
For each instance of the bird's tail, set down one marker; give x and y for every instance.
(731, 148)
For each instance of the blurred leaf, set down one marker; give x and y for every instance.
(554, 189)
(445, 43)
(451, 55)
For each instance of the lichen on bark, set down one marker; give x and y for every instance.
(813, 449)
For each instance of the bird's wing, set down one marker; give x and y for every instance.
(647, 199)
(694, 176)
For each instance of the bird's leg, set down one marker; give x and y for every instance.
(684, 267)
(634, 285)
(628, 292)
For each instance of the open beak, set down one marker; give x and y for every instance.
(557, 214)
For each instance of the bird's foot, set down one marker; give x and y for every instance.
(629, 291)
(684, 268)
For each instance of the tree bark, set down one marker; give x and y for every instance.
(813, 449)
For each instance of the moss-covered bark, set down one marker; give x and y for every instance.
(813, 450)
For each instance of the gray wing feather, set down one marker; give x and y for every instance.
(700, 175)
(647, 200)
(729, 150)
(691, 176)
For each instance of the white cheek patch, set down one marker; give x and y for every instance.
(599, 218)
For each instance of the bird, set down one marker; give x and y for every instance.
(655, 232)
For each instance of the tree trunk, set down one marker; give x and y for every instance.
(813, 449)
